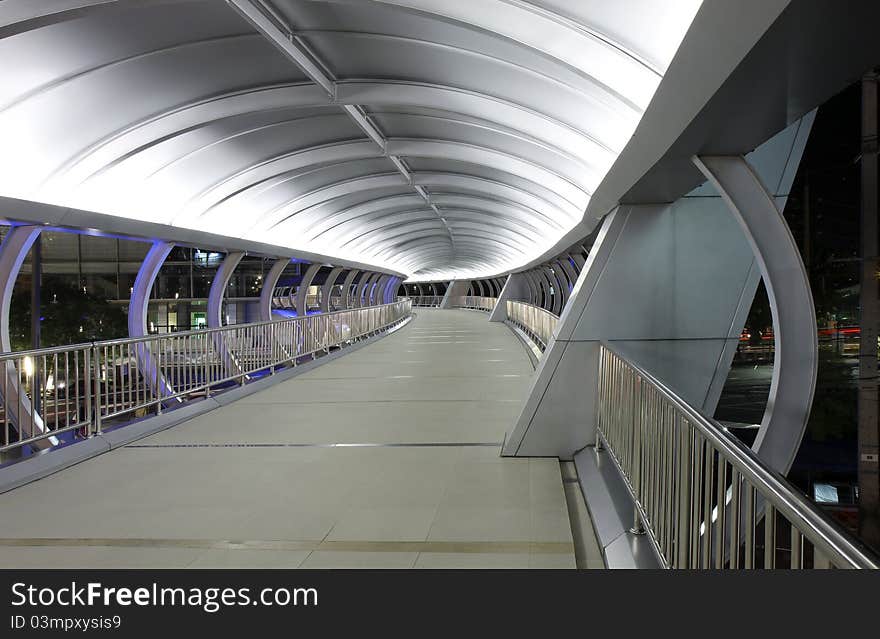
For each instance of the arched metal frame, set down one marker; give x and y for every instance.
(327, 288)
(791, 301)
(345, 293)
(302, 291)
(218, 288)
(268, 290)
(378, 290)
(215, 309)
(13, 251)
(137, 314)
(493, 121)
(570, 272)
(533, 288)
(560, 288)
(364, 287)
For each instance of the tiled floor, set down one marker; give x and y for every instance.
(442, 391)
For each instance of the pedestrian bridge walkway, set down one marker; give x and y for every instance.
(385, 457)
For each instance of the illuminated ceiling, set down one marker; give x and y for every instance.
(438, 138)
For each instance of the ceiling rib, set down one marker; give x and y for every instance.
(264, 18)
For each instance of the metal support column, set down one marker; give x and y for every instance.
(268, 290)
(215, 311)
(218, 288)
(36, 293)
(13, 252)
(137, 312)
(377, 295)
(302, 291)
(327, 288)
(345, 293)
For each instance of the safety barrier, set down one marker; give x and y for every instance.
(704, 499)
(537, 323)
(477, 303)
(82, 387)
(426, 301)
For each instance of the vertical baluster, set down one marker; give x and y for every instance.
(749, 526)
(91, 384)
(709, 479)
(797, 558)
(111, 377)
(87, 383)
(67, 388)
(682, 536)
(695, 443)
(650, 480)
(769, 535)
(721, 512)
(669, 436)
(186, 363)
(735, 488)
(159, 343)
(6, 420)
(130, 402)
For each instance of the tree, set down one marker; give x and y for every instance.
(69, 315)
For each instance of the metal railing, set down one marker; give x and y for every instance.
(86, 387)
(425, 301)
(705, 499)
(476, 303)
(534, 321)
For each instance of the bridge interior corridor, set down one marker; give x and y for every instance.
(387, 456)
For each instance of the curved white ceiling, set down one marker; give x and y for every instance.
(440, 138)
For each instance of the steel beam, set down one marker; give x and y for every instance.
(287, 42)
(282, 35)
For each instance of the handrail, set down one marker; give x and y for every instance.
(680, 465)
(83, 386)
(425, 301)
(475, 302)
(537, 323)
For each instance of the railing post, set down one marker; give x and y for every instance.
(96, 372)
(638, 527)
(159, 375)
(682, 534)
(603, 391)
(87, 379)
